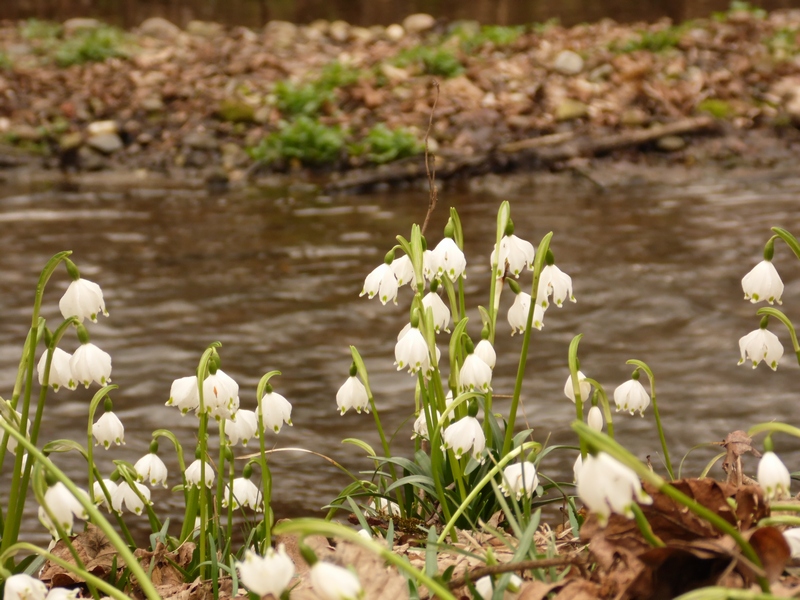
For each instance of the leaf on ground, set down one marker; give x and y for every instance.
(566, 589)
(94, 550)
(160, 564)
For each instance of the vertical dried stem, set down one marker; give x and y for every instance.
(430, 169)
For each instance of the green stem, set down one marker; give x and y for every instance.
(576, 385)
(661, 436)
(644, 527)
(774, 312)
(606, 405)
(266, 476)
(101, 393)
(503, 214)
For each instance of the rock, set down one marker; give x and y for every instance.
(394, 74)
(144, 138)
(206, 29)
(107, 143)
(571, 109)
(671, 143)
(568, 62)
(101, 127)
(280, 34)
(233, 156)
(25, 133)
(159, 28)
(418, 22)
(395, 32)
(72, 26)
(200, 140)
(89, 160)
(70, 141)
(152, 104)
(233, 110)
(362, 34)
(339, 31)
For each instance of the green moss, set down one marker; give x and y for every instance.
(437, 61)
(309, 98)
(304, 139)
(717, 108)
(383, 145)
(236, 111)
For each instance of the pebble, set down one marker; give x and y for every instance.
(339, 31)
(418, 22)
(107, 143)
(159, 28)
(671, 143)
(102, 127)
(395, 32)
(568, 62)
(571, 109)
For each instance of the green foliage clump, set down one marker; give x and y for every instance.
(35, 29)
(737, 6)
(309, 98)
(90, 45)
(439, 61)
(383, 145)
(717, 108)
(783, 43)
(304, 139)
(654, 41)
(498, 36)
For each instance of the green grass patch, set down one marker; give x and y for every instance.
(382, 145)
(739, 7)
(304, 139)
(498, 36)
(308, 98)
(91, 45)
(654, 41)
(439, 61)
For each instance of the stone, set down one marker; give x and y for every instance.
(281, 34)
(395, 32)
(671, 143)
(152, 104)
(571, 109)
(101, 127)
(339, 31)
(206, 29)
(568, 62)
(200, 140)
(70, 141)
(72, 26)
(25, 133)
(159, 28)
(89, 160)
(418, 22)
(106, 143)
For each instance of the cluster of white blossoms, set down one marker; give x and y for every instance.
(25, 587)
(762, 283)
(553, 284)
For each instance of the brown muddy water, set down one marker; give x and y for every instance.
(276, 277)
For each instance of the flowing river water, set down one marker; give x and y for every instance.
(275, 277)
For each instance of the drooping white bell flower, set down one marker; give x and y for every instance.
(352, 394)
(474, 375)
(89, 363)
(193, 472)
(275, 411)
(108, 429)
(60, 371)
(331, 582)
(381, 282)
(553, 281)
(441, 314)
(421, 425)
(519, 479)
(245, 493)
(220, 395)
(763, 283)
(411, 351)
(242, 426)
(792, 537)
(632, 396)
(268, 574)
(515, 255)
(99, 497)
(83, 299)
(485, 588)
(584, 386)
(127, 494)
(24, 587)
(60, 593)
(773, 476)
(151, 468)
(595, 418)
(759, 345)
(447, 259)
(64, 506)
(485, 351)
(518, 314)
(464, 434)
(403, 270)
(607, 486)
(184, 394)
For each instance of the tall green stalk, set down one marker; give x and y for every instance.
(652, 379)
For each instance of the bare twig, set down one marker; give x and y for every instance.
(430, 170)
(542, 563)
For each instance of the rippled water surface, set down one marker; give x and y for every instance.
(275, 278)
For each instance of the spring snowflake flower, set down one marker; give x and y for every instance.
(595, 418)
(421, 425)
(773, 476)
(60, 593)
(759, 345)
(184, 395)
(584, 386)
(352, 394)
(268, 574)
(632, 396)
(275, 411)
(108, 429)
(792, 537)
(331, 582)
(519, 479)
(381, 282)
(464, 434)
(518, 313)
(220, 395)
(24, 587)
(127, 494)
(411, 351)
(448, 259)
(485, 351)
(64, 507)
(441, 314)
(60, 371)
(607, 486)
(386, 507)
(99, 497)
(83, 299)
(515, 255)
(553, 281)
(193, 474)
(474, 375)
(243, 425)
(245, 493)
(485, 587)
(763, 283)
(403, 270)
(89, 363)
(151, 468)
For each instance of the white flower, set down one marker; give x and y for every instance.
(485, 588)
(108, 429)
(184, 394)
(448, 259)
(763, 283)
(82, 299)
(441, 314)
(607, 486)
(193, 473)
(595, 418)
(243, 425)
(792, 537)
(403, 270)
(519, 479)
(151, 468)
(352, 394)
(60, 593)
(759, 345)
(576, 468)
(127, 494)
(275, 410)
(474, 375)
(464, 434)
(24, 587)
(632, 396)
(583, 385)
(773, 476)
(515, 255)
(386, 507)
(381, 281)
(485, 351)
(557, 283)
(268, 574)
(220, 395)
(245, 493)
(421, 425)
(334, 583)
(64, 506)
(518, 314)
(60, 371)
(411, 351)
(99, 497)
(89, 363)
